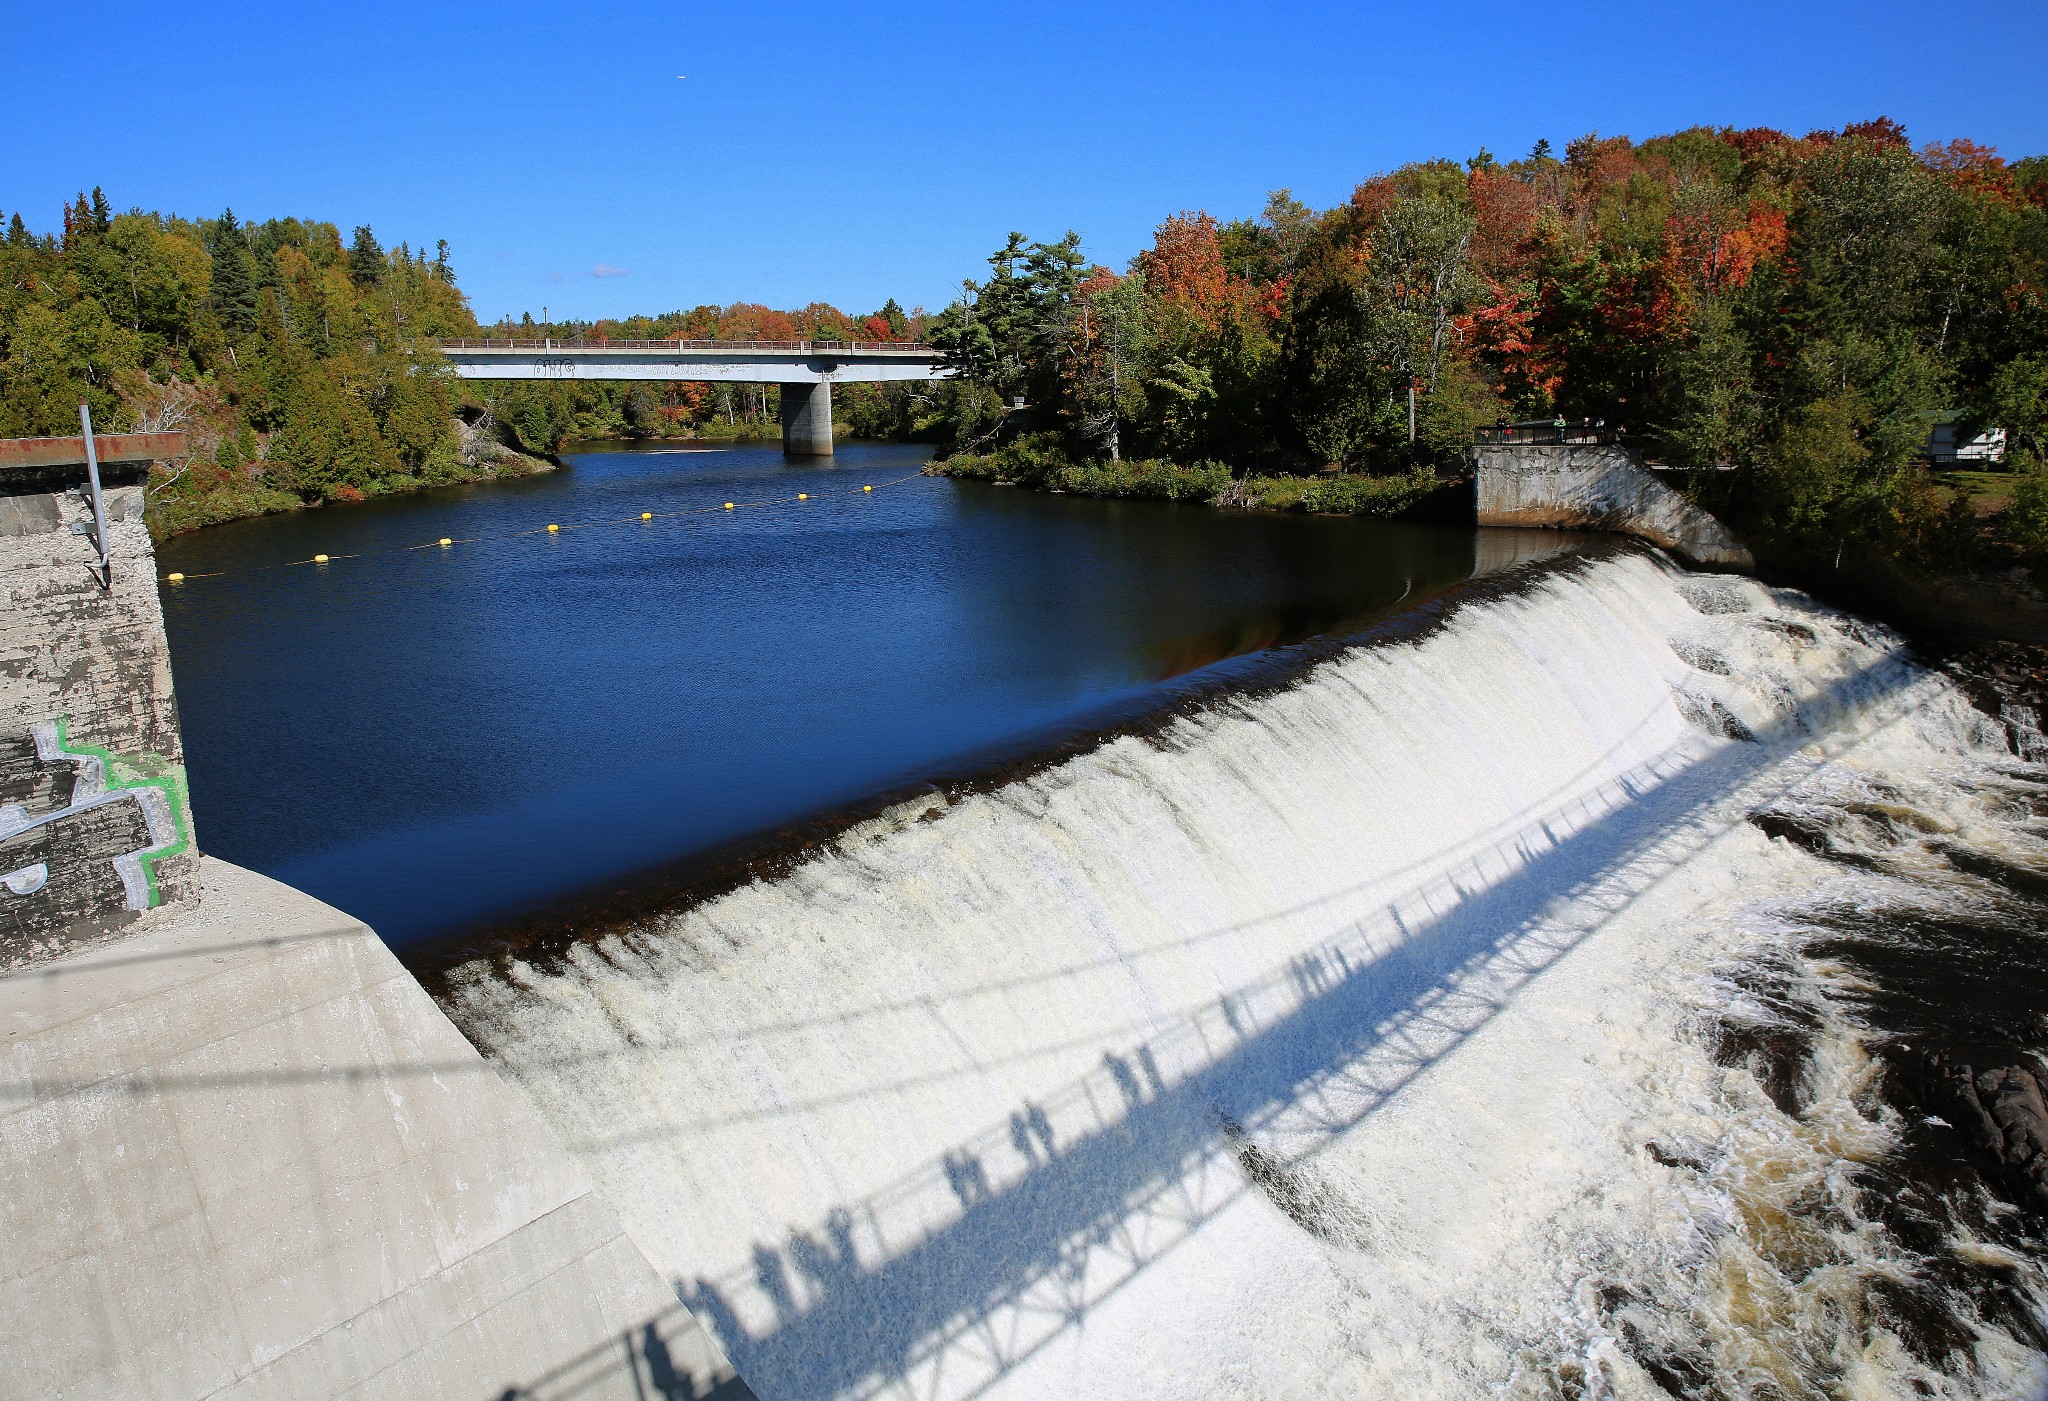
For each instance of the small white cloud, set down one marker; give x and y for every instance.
(558, 277)
(607, 270)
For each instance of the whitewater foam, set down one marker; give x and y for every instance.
(1364, 1037)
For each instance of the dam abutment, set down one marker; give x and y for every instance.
(244, 1152)
(1597, 486)
(95, 828)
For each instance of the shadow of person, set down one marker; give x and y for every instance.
(1126, 1079)
(1151, 1069)
(774, 1280)
(669, 1382)
(966, 1176)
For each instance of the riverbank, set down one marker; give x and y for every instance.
(1037, 466)
(186, 498)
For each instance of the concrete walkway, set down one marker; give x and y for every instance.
(245, 1155)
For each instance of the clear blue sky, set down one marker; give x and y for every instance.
(849, 152)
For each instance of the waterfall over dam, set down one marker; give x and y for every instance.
(1390, 1032)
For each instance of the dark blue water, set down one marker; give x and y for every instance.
(430, 738)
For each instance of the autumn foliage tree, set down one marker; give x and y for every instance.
(1798, 308)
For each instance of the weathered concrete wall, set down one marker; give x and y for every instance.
(1597, 487)
(95, 829)
(245, 1155)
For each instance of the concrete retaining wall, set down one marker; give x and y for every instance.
(95, 829)
(245, 1155)
(1598, 487)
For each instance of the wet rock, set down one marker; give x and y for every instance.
(2001, 1112)
(2011, 1098)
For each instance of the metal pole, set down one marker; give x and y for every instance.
(99, 506)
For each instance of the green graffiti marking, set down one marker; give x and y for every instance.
(140, 771)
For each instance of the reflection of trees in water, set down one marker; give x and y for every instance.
(1158, 591)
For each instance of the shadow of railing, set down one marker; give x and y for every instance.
(1050, 1212)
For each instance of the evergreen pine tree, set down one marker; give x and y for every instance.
(263, 245)
(18, 234)
(102, 212)
(234, 287)
(365, 258)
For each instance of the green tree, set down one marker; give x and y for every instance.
(233, 293)
(365, 258)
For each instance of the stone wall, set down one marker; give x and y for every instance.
(95, 827)
(1598, 487)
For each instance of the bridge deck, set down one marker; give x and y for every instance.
(753, 362)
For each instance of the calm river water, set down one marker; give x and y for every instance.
(432, 738)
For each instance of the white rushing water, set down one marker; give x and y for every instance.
(1354, 1039)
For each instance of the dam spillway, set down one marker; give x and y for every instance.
(1381, 1033)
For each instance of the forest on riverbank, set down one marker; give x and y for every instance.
(303, 368)
(1801, 309)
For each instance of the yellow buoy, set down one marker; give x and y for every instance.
(553, 528)
(803, 496)
(728, 505)
(647, 515)
(446, 541)
(319, 559)
(867, 488)
(176, 578)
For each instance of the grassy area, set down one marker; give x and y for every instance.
(1988, 492)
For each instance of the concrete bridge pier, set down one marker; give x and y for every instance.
(807, 418)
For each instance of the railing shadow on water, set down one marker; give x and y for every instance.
(1039, 1221)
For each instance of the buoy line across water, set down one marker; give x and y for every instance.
(552, 528)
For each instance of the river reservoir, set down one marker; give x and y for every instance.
(432, 737)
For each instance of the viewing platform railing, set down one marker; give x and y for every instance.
(602, 343)
(1551, 431)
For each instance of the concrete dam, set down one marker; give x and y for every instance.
(1351, 1037)
(1458, 1011)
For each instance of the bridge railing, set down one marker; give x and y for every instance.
(602, 343)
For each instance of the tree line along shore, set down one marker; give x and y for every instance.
(1802, 311)
(304, 369)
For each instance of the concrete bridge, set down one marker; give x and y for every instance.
(806, 370)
